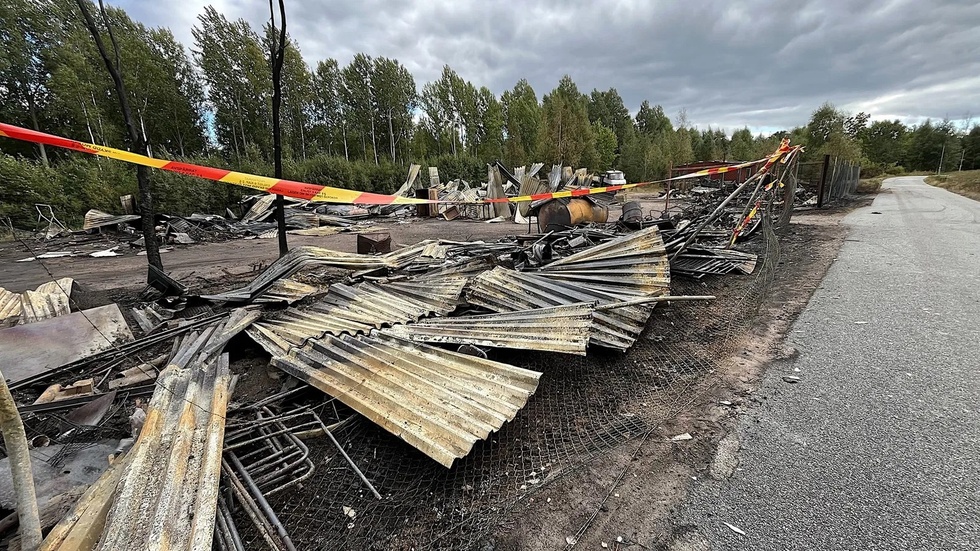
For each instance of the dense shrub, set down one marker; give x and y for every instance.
(74, 185)
(22, 184)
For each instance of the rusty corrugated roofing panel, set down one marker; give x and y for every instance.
(438, 401)
(286, 290)
(48, 301)
(635, 264)
(555, 329)
(260, 209)
(306, 257)
(464, 267)
(10, 307)
(167, 497)
(504, 290)
(97, 219)
(360, 308)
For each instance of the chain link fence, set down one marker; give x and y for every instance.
(831, 179)
(583, 406)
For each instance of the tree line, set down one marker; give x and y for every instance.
(356, 125)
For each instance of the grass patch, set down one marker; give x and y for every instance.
(871, 185)
(966, 182)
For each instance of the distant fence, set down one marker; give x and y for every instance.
(831, 179)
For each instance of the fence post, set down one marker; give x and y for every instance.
(823, 180)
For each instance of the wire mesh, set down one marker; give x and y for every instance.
(583, 406)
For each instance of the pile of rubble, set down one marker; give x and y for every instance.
(412, 340)
(256, 213)
(405, 339)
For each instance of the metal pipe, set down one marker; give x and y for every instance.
(711, 217)
(251, 507)
(260, 500)
(348, 459)
(284, 430)
(309, 472)
(231, 530)
(823, 180)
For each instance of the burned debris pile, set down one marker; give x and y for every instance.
(211, 402)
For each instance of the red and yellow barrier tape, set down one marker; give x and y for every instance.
(289, 188)
(316, 192)
(784, 151)
(591, 191)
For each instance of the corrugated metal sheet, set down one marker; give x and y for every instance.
(48, 301)
(556, 329)
(260, 210)
(698, 262)
(503, 290)
(97, 219)
(167, 497)
(10, 307)
(286, 290)
(317, 232)
(634, 264)
(434, 250)
(307, 257)
(300, 219)
(438, 401)
(366, 306)
(464, 267)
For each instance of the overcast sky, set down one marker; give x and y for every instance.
(762, 64)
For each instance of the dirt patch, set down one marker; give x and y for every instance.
(211, 265)
(631, 491)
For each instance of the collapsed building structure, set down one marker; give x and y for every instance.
(413, 341)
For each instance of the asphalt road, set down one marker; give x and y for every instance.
(878, 445)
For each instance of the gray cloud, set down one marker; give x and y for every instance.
(759, 63)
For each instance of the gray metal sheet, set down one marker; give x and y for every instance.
(308, 257)
(634, 264)
(503, 290)
(27, 350)
(98, 219)
(557, 329)
(360, 308)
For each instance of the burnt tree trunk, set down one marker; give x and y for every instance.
(278, 53)
(139, 144)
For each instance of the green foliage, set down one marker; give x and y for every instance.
(884, 142)
(831, 132)
(522, 121)
(25, 183)
(238, 78)
(394, 99)
(356, 126)
(566, 134)
(468, 167)
(652, 121)
(644, 158)
(608, 109)
(605, 146)
(933, 147)
(971, 149)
